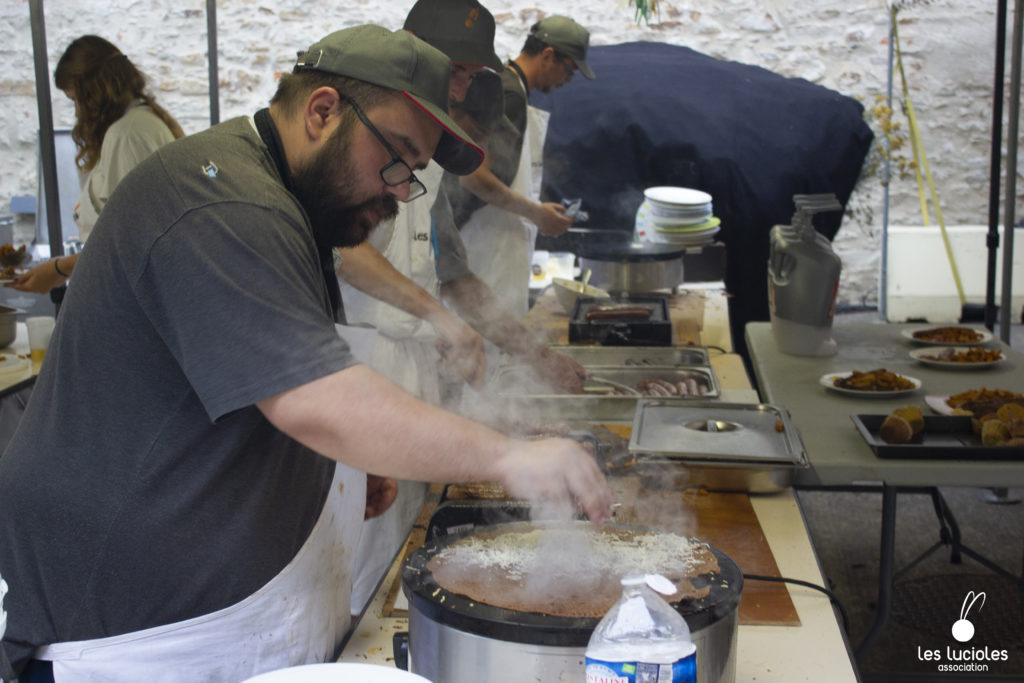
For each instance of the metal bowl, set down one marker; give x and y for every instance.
(568, 291)
(8, 324)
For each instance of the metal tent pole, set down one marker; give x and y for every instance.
(211, 48)
(47, 150)
(995, 165)
(1011, 175)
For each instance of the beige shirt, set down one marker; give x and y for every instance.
(129, 140)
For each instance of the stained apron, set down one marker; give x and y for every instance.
(298, 617)
(403, 348)
(500, 243)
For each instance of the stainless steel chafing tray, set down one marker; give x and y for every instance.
(522, 380)
(719, 446)
(634, 356)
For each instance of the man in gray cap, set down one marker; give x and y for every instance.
(500, 244)
(169, 501)
(392, 282)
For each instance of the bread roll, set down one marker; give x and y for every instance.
(994, 432)
(912, 414)
(1010, 411)
(895, 429)
(1016, 442)
(1016, 428)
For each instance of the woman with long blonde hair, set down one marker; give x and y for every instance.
(118, 124)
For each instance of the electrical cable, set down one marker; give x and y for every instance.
(807, 584)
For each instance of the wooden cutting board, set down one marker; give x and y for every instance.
(728, 522)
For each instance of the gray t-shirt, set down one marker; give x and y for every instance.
(143, 486)
(450, 256)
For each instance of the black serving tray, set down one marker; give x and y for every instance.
(943, 438)
(654, 331)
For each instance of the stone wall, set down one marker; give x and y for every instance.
(948, 52)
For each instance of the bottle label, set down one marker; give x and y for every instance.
(681, 671)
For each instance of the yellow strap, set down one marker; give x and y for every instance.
(921, 163)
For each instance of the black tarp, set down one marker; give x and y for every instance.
(661, 114)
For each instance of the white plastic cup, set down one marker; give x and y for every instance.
(40, 329)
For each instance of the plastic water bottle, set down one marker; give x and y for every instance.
(3, 615)
(642, 639)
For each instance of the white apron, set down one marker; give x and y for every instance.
(298, 617)
(500, 243)
(403, 348)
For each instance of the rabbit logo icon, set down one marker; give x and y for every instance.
(963, 629)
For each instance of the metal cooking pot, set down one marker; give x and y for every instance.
(619, 264)
(453, 639)
(8, 324)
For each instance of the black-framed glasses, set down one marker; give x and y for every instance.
(569, 65)
(396, 172)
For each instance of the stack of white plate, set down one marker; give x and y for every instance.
(676, 215)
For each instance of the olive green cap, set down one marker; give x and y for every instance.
(399, 61)
(567, 37)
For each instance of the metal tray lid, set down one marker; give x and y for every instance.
(732, 432)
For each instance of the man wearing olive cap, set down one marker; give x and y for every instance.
(500, 244)
(169, 501)
(392, 288)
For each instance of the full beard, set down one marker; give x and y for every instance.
(326, 187)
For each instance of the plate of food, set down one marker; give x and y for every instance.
(949, 335)
(879, 383)
(957, 357)
(973, 401)
(939, 403)
(11, 262)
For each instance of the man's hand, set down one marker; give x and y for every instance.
(461, 347)
(556, 474)
(550, 219)
(380, 494)
(558, 370)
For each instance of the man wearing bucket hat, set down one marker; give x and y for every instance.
(499, 237)
(168, 502)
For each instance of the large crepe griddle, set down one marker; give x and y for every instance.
(716, 594)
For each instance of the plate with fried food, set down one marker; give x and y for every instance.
(880, 383)
(939, 403)
(957, 357)
(949, 335)
(973, 401)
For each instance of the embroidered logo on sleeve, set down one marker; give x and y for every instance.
(210, 169)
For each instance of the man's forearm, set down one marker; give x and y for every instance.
(369, 271)
(383, 430)
(476, 303)
(485, 185)
(357, 417)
